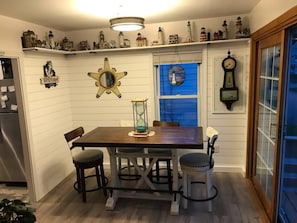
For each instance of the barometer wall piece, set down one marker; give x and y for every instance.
(229, 91)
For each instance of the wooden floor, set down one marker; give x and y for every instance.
(233, 204)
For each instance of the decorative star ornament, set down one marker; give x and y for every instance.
(107, 79)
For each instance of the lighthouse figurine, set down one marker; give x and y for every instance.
(189, 33)
(225, 30)
(160, 36)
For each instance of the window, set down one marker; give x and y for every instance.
(177, 93)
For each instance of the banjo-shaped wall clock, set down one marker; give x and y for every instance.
(229, 91)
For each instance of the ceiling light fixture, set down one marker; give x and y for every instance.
(127, 23)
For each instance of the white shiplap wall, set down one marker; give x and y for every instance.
(49, 116)
(108, 110)
(232, 125)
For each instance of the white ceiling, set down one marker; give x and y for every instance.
(66, 15)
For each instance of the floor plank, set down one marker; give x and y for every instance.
(233, 204)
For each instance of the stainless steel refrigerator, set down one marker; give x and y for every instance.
(12, 168)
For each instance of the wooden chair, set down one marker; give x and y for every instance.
(163, 151)
(86, 159)
(193, 164)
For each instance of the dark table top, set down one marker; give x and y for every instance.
(165, 137)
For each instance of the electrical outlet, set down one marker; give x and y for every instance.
(217, 150)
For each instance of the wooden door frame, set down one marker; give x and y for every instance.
(284, 21)
(278, 25)
(273, 40)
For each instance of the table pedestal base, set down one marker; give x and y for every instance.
(110, 203)
(174, 208)
(136, 191)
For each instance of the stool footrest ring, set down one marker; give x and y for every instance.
(75, 185)
(129, 176)
(202, 199)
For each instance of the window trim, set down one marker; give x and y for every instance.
(158, 97)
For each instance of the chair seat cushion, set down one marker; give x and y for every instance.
(88, 155)
(196, 160)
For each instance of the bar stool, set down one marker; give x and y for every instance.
(126, 151)
(86, 159)
(128, 166)
(166, 160)
(193, 164)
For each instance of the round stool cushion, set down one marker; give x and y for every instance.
(196, 160)
(88, 155)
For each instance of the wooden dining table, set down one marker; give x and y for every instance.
(159, 137)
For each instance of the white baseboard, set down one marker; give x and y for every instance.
(230, 169)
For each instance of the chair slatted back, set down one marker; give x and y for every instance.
(212, 135)
(74, 134)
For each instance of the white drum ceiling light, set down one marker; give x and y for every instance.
(127, 23)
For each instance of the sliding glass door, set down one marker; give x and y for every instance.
(267, 125)
(288, 177)
(272, 132)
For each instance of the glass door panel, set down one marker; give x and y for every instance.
(288, 176)
(267, 118)
(266, 131)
